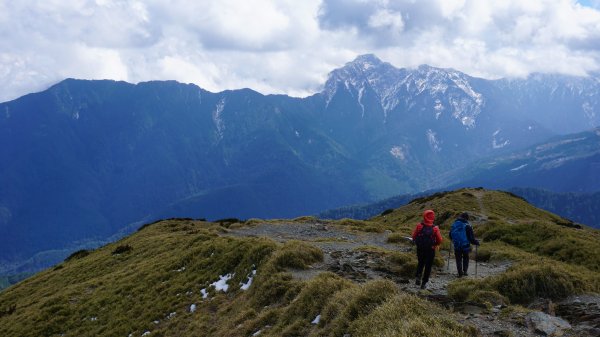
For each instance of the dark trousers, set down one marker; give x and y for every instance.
(462, 261)
(425, 258)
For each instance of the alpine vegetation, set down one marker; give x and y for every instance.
(312, 277)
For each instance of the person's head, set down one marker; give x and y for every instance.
(428, 216)
(464, 216)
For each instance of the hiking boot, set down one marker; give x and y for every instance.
(418, 281)
(465, 274)
(424, 285)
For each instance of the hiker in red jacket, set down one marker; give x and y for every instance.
(428, 238)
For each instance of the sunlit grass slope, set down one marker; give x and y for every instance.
(157, 282)
(552, 257)
(184, 278)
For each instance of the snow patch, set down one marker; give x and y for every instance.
(146, 333)
(93, 319)
(360, 96)
(464, 85)
(204, 293)
(556, 163)
(549, 146)
(316, 320)
(398, 152)
(217, 118)
(438, 87)
(171, 315)
(588, 110)
(498, 143)
(518, 167)
(438, 107)
(245, 286)
(193, 308)
(468, 121)
(221, 284)
(257, 333)
(434, 143)
(180, 270)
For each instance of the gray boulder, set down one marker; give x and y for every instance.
(546, 324)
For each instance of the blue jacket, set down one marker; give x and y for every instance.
(470, 235)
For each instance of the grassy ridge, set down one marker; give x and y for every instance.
(117, 294)
(566, 255)
(148, 282)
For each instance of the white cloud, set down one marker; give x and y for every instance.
(286, 46)
(383, 18)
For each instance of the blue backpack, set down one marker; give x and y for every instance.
(458, 231)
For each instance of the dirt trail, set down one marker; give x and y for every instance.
(482, 210)
(342, 257)
(340, 245)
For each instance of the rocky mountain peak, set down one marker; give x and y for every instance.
(366, 61)
(447, 89)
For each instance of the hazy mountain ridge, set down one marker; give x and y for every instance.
(84, 158)
(562, 164)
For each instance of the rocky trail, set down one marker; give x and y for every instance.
(355, 256)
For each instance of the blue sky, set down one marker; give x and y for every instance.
(287, 46)
(590, 3)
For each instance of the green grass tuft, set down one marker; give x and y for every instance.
(405, 315)
(297, 254)
(523, 283)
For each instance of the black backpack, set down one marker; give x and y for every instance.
(425, 238)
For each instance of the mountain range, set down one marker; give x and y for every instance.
(83, 160)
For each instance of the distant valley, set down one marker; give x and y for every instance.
(86, 160)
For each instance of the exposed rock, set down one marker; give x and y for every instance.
(583, 312)
(543, 305)
(546, 324)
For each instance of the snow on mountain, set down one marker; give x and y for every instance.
(449, 89)
(217, 118)
(434, 142)
(562, 103)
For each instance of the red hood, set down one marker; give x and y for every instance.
(428, 217)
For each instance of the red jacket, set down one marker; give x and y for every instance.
(436, 233)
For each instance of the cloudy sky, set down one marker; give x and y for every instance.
(286, 46)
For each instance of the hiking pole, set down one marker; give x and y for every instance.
(476, 246)
(449, 251)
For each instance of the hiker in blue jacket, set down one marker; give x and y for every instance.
(462, 236)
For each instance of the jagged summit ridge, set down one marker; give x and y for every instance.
(447, 90)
